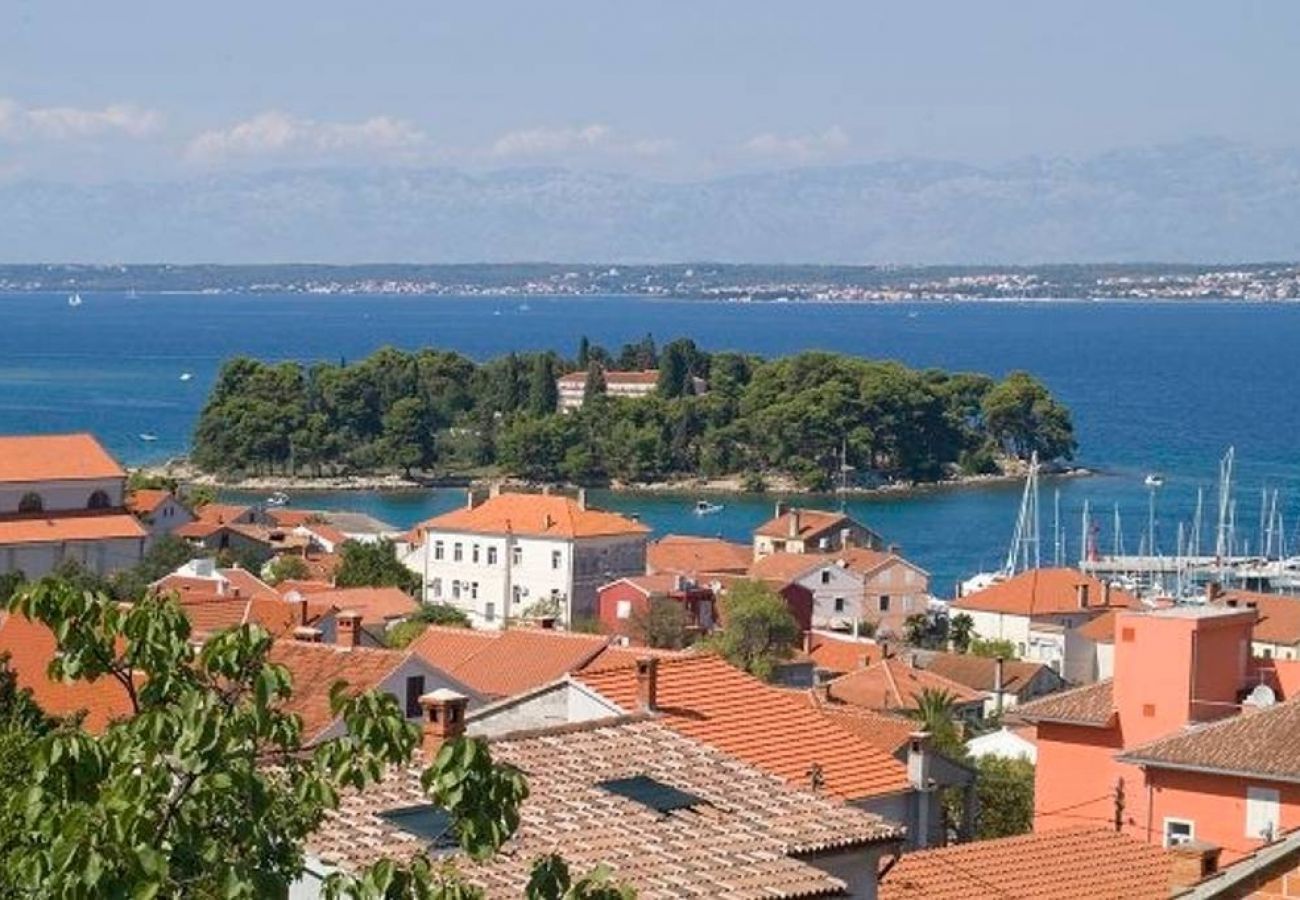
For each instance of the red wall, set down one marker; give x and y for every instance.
(607, 600)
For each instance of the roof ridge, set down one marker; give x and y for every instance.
(1195, 729)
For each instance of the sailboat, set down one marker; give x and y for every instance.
(74, 300)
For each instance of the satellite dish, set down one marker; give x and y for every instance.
(1261, 697)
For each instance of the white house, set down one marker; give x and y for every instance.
(795, 530)
(159, 511)
(572, 388)
(1004, 744)
(525, 555)
(62, 497)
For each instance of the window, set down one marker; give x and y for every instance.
(839, 604)
(431, 823)
(662, 798)
(1179, 831)
(98, 500)
(474, 553)
(826, 576)
(455, 590)
(1263, 818)
(473, 590)
(556, 557)
(437, 550)
(414, 689)
(458, 551)
(516, 593)
(31, 502)
(489, 612)
(436, 587)
(492, 556)
(624, 609)
(884, 603)
(516, 555)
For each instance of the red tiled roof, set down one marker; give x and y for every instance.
(285, 517)
(812, 522)
(327, 533)
(504, 663)
(1100, 630)
(146, 500)
(651, 585)
(210, 613)
(841, 654)
(895, 684)
(295, 585)
(233, 582)
(788, 567)
(55, 457)
(87, 526)
(220, 513)
(1066, 864)
(1279, 616)
(541, 515)
(31, 647)
(686, 555)
(887, 731)
(316, 667)
(1092, 705)
(377, 605)
(979, 673)
(1258, 743)
(1041, 592)
(705, 698)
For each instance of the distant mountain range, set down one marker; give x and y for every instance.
(1201, 201)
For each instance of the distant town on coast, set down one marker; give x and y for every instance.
(704, 281)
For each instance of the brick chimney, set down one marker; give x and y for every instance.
(307, 635)
(1213, 591)
(348, 623)
(1193, 862)
(444, 718)
(302, 610)
(794, 523)
(647, 684)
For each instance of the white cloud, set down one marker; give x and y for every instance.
(585, 139)
(801, 148)
(62, 123)
(274, 133)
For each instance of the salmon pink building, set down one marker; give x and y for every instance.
(1189, 741)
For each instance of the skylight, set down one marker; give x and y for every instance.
(432, 823)
(660, 797)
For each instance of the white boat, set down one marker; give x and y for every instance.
(524, 307)
(279, 498)
(74, 300)
(1154, 481)
(147, 437)
(705, 508)
(186, 376)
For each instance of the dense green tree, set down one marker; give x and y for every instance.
(1024, 418)
(662, 624)
(401, 634)
(287, 568)
(373, 565)
(584, 352)
(961, 628)
(992, 648)
(594, 387)
(641, 355)
(543, 395)
(757, 632)
(408, 433)
(1006, 797)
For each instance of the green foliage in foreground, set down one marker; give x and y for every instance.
(435, 409)
(758, 632)
(206, 789)
(1006, 797)
(374, 565)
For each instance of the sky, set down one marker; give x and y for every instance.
(93, 91)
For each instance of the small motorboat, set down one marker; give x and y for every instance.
(74, 300)
(279, 498)
(186, 376)
(148, 437)
(1154, 481)
(705, 508)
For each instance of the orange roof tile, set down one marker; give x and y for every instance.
(31, 647)
(772, 729)
(285, 517)
(1100, 630)
(841, 654)
(146, 500)
(1067, 864)
(1092, 705)
(541, 515)
(221, 513)
(210, 613)
(504, 663)
(87, 526)
(888, 732)
(1043, 592)
(316, 667)
(1279, 616)
(979, 673)
(895, 684)
(300, 586)
(377, 605)
(327, 533)
(788, 567)
(55, 457)
(232, 582)
(652, 585)
(1255, 743)
(812, 522)
(682, 554)
(864, 560)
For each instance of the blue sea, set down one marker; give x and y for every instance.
(1154, 387)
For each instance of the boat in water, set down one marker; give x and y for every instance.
(148, 437)
(186, 376)
(1154, 480)
(74, 300)
(279, 498)
(705, 508)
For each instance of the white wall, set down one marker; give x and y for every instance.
(829, 583)
(101, 557)
(62, 496)
(1000, 626)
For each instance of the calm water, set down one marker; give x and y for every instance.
(1153, 387)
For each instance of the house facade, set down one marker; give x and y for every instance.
(835, 589)
(795, 530)
(62, 498)
(572, 388)
(159, 511)
(525, 555)
(624, 605)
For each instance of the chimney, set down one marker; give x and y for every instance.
(822, 691)
(546, 623)
(444, 718)
(582, 498)
(302, 610)
(918, 776)
(307, 635)
(1193, 862)
(780, 509)
(846, 538)
(1213, 591)
(547, 522)
(471, 501)
(494, 489)
(1081, 594)
(794, 523)
(807, 642)
(348, 622)
(998, 682)
(893, 549)
(1105, 594)
(647, 684)
(884, 649)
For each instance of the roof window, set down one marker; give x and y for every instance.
(662, 798)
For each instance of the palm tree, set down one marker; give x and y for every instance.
(934, 713)
(961, 628)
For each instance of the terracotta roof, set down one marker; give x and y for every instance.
(146, 500)
(504, 663)
(1041, 592)
(55, 457)
(89, 526)
(377, 605)
(1100, 630)
(887, 731)
(652, 585)
(232, 582)
(788, 567)
(705, 698)
(686, 555)
(220, 513)
(539, 515)
(286, 517)
(31, 647)
(1259, 743)
(316, 667)
(1091, 705)
(841, 654)
(1065, 864)
(615, 376)
(979, 673)
(894, 683)
(292, 585)
(740, 839)
(812, 522)
(1279, 616)
(211, 613)
(326, 532)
